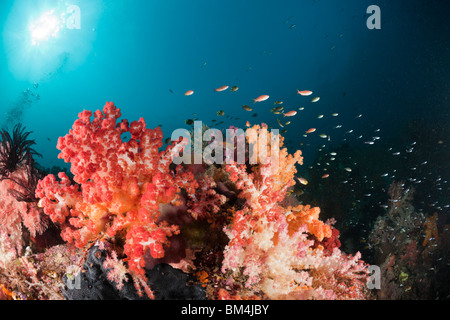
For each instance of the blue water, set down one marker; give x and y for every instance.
(143, 56)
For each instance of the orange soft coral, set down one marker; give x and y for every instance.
(305, 215)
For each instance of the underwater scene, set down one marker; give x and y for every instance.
(239, 150)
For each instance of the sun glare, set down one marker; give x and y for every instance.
(46, 27)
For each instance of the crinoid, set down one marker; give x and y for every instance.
(15, 149)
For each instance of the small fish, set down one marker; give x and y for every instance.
(261, 98)
(304, 93)
(234, 88)
(333, 153)
(283, 131)
(290, 114)
(303, 181)
(278, 108)
(287, 123)
(316, 99)
(279, 122)
(189, 122)
(323, 136)
(335, 114)
(247, 108)
(247, 124)
(220, 113)
(189, 93)
(278, 103)
(292, 26)
(311, 130)
(301, 108)
(222, 88)
(369, 142)
(287, 20)
(348, 169)
(168, 140)
(170, 90)
(325, 176)
(320, 116)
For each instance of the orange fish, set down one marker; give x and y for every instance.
(248, 124)
(290, 114)
(223, 88)
(311, 130)
(304, 93)
(261, 98)
(325, 176)
(189, 93)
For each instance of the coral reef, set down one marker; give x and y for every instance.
(133, 222)
(408, 249)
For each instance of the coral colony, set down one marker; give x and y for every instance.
(129, 223)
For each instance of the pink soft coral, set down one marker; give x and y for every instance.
(15, 214)
(273, 246)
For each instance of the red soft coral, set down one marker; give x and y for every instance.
(120, 186)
